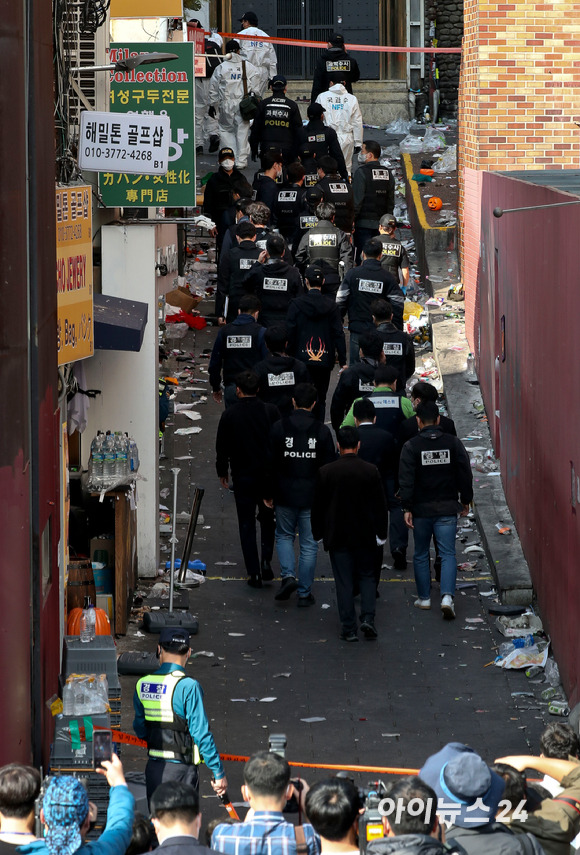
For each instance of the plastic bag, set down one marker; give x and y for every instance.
(411, 145)
(433, 140)
(448, 160)
(552, 673)
(524, 657)
(86, 694)
(398, 126)
(411, 308)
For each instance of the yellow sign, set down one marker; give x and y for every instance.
(146, 9)
(74, 273)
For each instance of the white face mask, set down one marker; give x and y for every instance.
(228, 164)
(362, 156)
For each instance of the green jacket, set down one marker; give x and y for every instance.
(406, 406)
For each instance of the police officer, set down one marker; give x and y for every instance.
(374, 194)
(260, 54)
(238, 347)
(315, 335)
(336, 190)
(232, 270)
(394, 258)
(327, 246)
(335, 60)
(357, 380)
(278, 372)
(308, 160)
(274, 282)
(266, 186)
(169, 714)
(299, 445)
(277, 124)
(313, 197)
(360, 287)
(397, 345)
(290, 205)
(320, 139)
(221, 191)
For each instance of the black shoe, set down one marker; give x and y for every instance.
(400, 559)
(308, 600)
(349, 636)
(199, 149)
(288, 586)
(267, 573)
(254, 582)
(368, 629)
(214, 143)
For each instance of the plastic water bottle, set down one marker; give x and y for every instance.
(109, 458)
(88, 622)
(470, 364)
(133, 455)
(121, 456)
(97, 456)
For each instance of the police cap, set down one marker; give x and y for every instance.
(173, 635)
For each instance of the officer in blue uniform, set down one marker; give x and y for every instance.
(169, 714)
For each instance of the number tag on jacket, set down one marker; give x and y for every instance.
(287, 195)
(441, 457)
(393, 348)
(371, 286)
(247, 263)
(284, 379)
(239, 341)
(386, 402)
(380, 174)
(322, 240)
(365, 387)
(338, 188)
(393, 250)
(275, 284)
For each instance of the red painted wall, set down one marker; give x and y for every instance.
(529, 275)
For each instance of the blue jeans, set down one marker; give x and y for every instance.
(444, 529)
(288, 520)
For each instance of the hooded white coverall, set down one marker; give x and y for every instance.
(226, 90)
(344, 115)
(261, 54)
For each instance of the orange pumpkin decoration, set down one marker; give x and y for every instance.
(427, 171)
(434, 203)
(102, 623)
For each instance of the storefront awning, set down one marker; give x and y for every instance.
(119, 324)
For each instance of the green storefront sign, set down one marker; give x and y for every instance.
(166, 88)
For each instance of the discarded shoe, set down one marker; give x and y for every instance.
(448, 607)
(422, 603)
(287, 588)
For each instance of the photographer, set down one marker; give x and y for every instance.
(267, 788)
(412, 826)
(333, 807)
(19, 789)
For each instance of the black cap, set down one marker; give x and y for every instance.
(314, 275)
(315, 111)
(173, 635)
(232, 45)
(251, 18)
(226, 152)
(337, 40)
(278, 82)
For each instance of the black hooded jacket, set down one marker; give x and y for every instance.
(330, 62)
(315, 331)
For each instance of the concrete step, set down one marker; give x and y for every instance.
(380, 101)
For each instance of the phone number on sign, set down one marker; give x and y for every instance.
(120, 154)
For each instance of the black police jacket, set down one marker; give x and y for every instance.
(326, 245)
(266, 191)
(394, 255)
(358, 381)
(399, 351)
(275, 283)
(218, 194)
(410, 428)
(339, 192)
(278, 375)
(322, 140)
(241, 442)
(434, 470)
(299, 446)
(238, 347)
(232, 271)
(277, 124)
(360, 287)
(331, 61)
(289, 205)
(315, 331)
(374, 194)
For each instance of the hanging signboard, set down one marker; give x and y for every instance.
(74, 273)
(164, 89)
(124, 143)
(146, 9)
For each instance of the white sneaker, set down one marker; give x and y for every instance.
(447, 607)
(422, 604)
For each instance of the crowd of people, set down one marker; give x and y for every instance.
(458, 803)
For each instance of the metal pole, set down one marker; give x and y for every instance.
(173, 539)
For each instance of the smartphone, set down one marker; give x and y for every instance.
(102, 747)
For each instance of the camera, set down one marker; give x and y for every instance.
(370, 824)
(277, 743)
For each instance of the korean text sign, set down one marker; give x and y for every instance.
(74, 273)
(163, 89)
(124, 143)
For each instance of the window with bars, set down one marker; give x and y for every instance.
(302, 19)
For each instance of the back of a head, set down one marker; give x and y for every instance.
(295, 172)
(382, 310)
(245, 230)
(373, 248)
(364, 410)
(414, 805)
(328, 164)
(386, 375)
(143, 836)
(232, 46)
(515, 783)
(388, 221)
(259, 213)
(276, 338)
(174, 801)
(325, 211)
(373, 147)
(19, 789)
(314, 276)
(269, 158)
(336, 40)
(249, 305)
(425, 392)
(560, 741)
(248, 382)
(275, 246)
(428, 412)
(371, 345)
(332, 807)
(304, 395)
(347, 437)
(242, 204)
(267, 774)
(66, 806)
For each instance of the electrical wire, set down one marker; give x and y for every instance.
(93, 15)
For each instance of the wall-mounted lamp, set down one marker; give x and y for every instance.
(499, 212)
(129, 63)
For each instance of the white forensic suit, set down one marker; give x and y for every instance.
(226, 90)
(344, 115)
(205, 126)
(261, 54)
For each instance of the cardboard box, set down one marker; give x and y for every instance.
(182, 299)
(103, 544)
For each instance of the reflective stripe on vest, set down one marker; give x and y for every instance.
(156, 694)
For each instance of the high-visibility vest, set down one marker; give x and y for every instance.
(168, 736)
